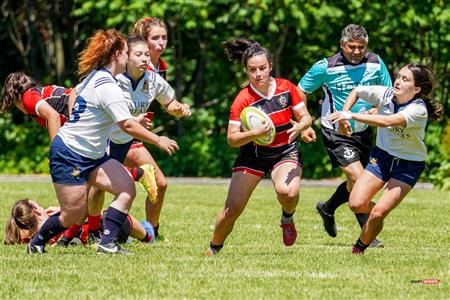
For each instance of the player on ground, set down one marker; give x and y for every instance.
(399, 156)
(50, 106)
(140, 87)
(77, 154)
(282, 159)
(338, 75)
(27, 217)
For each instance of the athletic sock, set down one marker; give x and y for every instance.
(215, 248)
(114, 219)
(72, 231)
(360, 245)
(362, 219)
(156, 228)
(94, 222)
(51, 228)
(147, 238)
(287, 218)
(136, 173)
(339, 197)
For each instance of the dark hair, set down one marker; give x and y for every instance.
(22, 217)
(424, 78)
(15, 85)
(135, 39)
(240, 49)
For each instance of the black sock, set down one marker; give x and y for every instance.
(362, 219)
(215, 248)
(339, 197)
(139, 173)
(51, 228)
(113, 221)
(285, 214)
(360, 245)
(156, 228)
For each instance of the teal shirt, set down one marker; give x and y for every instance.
(338, 78)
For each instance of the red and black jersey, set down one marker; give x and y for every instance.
(160, 68)
(56, 96)
(278, 106)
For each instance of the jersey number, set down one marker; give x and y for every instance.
(78, 108)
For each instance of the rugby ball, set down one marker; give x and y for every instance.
(252, 117)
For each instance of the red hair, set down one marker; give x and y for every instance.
(99, 50)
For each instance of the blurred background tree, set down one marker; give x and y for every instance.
(45, 37)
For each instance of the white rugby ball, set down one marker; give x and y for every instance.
(252, 117)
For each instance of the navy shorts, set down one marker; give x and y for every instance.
(69, 167)
(344, 150)
(119, 151)
(260, 165)
(385, 166)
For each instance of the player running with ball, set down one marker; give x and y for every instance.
(279, 99)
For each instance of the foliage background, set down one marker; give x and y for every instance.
(44, 38)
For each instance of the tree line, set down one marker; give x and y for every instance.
(45, 37)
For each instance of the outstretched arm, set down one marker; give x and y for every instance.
(178, 109)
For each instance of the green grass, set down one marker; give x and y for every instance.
(254, 264)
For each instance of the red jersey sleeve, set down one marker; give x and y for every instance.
(242, 100)
(31, 99)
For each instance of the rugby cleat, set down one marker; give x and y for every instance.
(289, 234)
(149, 229)
(63, 241)
(35, 249)
(148, 182)
(376, 244)
(328, 220)
(94, 237)
(356, 250)
(112, 248)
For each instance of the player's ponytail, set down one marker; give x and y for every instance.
(15, 85)
(99, 51)
(22, 217)
(241, 49)
(424, 78)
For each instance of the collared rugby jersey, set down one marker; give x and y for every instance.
(139, 95)
(99, 104)
(338, 77)
(278, 105)
(56, 96)
(402, 142)
(160, 68)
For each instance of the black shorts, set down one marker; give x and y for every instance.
(119, 151)
(344, 150)
(260, 165)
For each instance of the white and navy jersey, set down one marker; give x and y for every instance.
(99, 104)
(338, 77)
(139, 95)
(402, 142)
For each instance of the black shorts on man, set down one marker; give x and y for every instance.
(344, 150)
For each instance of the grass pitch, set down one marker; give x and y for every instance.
(254, 264)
